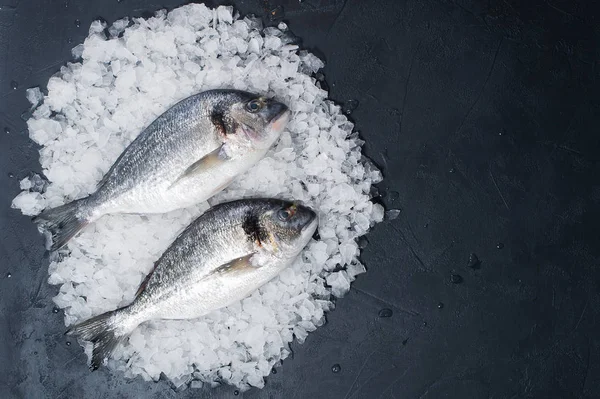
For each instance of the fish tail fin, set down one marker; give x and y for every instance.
(103, 332)
(62, 223)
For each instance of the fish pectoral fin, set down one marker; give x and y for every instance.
(245, 263)
(210, 160)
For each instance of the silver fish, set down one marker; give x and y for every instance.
(222, 257)
(187, 155)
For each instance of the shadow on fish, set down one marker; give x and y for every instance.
(187, 155)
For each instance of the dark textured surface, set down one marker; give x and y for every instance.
(484, 116)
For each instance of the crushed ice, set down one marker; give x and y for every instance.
(96, 107)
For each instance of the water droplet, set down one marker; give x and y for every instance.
(394, 111)
(385, 312)
(474, 262)
(362, 242)
(77, 23)
(456, 278)
(273, 370)
(394, 195)
(440, 305)
(8, 275)
(501, 132)
(405, 341)
(6, 130)
(349, 106)
(426, 225)
(11, 175)
(55, 310)
(14, 85)
(451, 170)
(69, 40)
(35, 353)
(236, 392)
(424, 324)
(499, 245)
(392, 214)
(336, 368)
(68, 343)
(276, 13)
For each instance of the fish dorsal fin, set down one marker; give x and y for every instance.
(110, 171)
(210, 160)
(107, 174)
(103, 180)
(145, 281)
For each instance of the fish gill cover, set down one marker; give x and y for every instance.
(126, 76)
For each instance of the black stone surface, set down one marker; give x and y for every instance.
(484, 116)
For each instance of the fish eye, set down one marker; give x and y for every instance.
(254, 106)
(284, 214)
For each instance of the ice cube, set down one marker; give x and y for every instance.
(34, 96)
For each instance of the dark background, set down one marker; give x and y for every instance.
(484, 116)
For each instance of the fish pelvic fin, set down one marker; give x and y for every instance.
(62, 223)
(210, 160)
(102, 332)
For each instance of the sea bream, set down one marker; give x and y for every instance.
(188, 154)
(222, 257)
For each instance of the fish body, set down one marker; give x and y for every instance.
(222, 257)
(188, 154)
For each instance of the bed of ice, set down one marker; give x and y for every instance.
(125, 76)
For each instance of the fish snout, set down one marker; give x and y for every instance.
(307, 219)
(275, 111)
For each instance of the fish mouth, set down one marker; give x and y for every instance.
(312, 223)
(279, 123)
(276, 111)
(279, 115)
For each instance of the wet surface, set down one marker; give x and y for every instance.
(502, 93)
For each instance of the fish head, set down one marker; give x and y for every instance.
(259, 120)
(287, 227)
